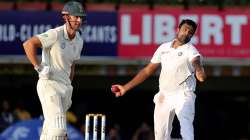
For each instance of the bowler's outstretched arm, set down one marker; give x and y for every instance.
(139, 78)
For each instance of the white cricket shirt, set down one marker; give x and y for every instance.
(59, 52)
(177, 72)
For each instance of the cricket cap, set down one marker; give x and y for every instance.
(73, 8)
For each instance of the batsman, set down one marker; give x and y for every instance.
(61, 47)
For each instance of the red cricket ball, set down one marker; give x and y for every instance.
(115, 89)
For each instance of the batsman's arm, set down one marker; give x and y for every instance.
(199, 69)
(30, 47)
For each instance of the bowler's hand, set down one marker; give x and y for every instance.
(118, 90)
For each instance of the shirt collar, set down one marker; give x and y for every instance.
(172, 43)
(65, 32)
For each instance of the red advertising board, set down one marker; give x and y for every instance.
(220, 33)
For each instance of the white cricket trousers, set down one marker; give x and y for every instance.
(181, 104)
(55, 98)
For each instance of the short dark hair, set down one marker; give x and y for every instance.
(189, 22)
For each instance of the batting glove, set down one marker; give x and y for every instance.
(42, 69)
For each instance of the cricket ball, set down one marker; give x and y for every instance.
(115, 89)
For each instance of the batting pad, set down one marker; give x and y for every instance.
(56, 134)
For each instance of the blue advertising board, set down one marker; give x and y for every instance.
(31, 129)
(99, 35)
(18, 26)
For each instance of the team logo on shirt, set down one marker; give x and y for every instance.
(180, 53)
(63, 45)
